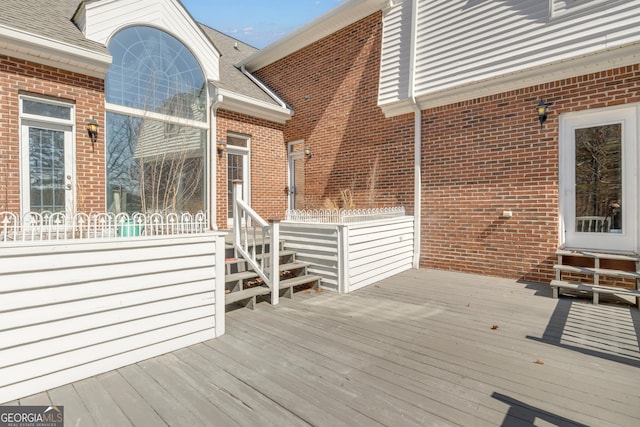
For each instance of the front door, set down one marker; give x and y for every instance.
(296, 175)
(47, 160)
(237, 169)
(598, 179)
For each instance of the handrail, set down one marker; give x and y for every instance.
(250, 231)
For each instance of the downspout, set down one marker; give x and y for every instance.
(417, 135)
(264, 87)
(213, 203)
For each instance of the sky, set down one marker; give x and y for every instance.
(257, 22)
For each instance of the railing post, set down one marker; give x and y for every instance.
(237, 222)
(274, 260)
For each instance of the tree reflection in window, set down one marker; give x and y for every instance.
(599, 178)
(155, 164)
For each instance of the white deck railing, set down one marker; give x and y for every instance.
(82, 226)
(254, 238)
(342, 216)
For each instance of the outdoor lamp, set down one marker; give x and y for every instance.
(307, 152)
(221, 146)
(542, 112)
(92, 129)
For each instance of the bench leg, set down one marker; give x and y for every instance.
(595, 297)
(555, 292)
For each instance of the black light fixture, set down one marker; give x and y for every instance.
(307, 152)
(221, 147)
(542, 112)
(92, 129)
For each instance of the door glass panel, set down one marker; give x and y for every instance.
(298, 186)
(46, 170)
(599, 179)
(235, 170)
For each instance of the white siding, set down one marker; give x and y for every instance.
(103, 19)
(461, 41)
(395, 62)
(350, 256)
(317, 244)
(378, 250)
(76, 309)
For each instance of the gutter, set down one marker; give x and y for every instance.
(264, 88)
(417, 135)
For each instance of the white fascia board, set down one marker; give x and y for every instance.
(242, 104)
(346, 13)
(544, 73)
(43, 50)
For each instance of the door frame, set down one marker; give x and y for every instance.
(293, 155)
(626, 241)
(28, 121)
(245, 152)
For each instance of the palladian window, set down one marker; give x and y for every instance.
(156, 125)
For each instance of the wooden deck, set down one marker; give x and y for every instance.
(421, 348)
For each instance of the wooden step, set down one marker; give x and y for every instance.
(248, 296)
(599, 255)
(599, 271)
(596, 289)
(300, 280)
(243, 275)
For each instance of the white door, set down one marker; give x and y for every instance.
(599, 179)
(237, 169)
(296, 180)
(47, 168)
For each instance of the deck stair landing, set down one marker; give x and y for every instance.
(589, 265)
(243, 285)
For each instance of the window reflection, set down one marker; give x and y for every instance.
(599, 179)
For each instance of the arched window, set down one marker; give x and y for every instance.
(156, 124)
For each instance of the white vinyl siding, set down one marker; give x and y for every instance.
(394, 69)
(350, 256)
(103, 19)
(460, 42)
(73, 309)
(466, 49)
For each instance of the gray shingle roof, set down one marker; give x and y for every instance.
(47, 18)
(233, 51)
(53, 19)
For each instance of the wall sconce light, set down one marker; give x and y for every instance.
(92, 129)
(221, 147)
(542, 112)
(307, 152)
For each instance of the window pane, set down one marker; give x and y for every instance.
(153, 166)
(599, 179)
(153, 71)
(235, 170)
(46, 110)
(237, 141)
(46, 170)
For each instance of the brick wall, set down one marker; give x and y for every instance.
(332, 86)
(488, 155)
(268, 164)
(19, 76)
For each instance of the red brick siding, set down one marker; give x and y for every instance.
(332, 86)
(488, 155)
(16, 76)
(268, 163)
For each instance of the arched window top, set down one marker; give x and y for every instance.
(154, 71)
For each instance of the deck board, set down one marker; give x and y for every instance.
(420, 348)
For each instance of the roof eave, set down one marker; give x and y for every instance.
(242, 104)
(337, 18)
(54, 53)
